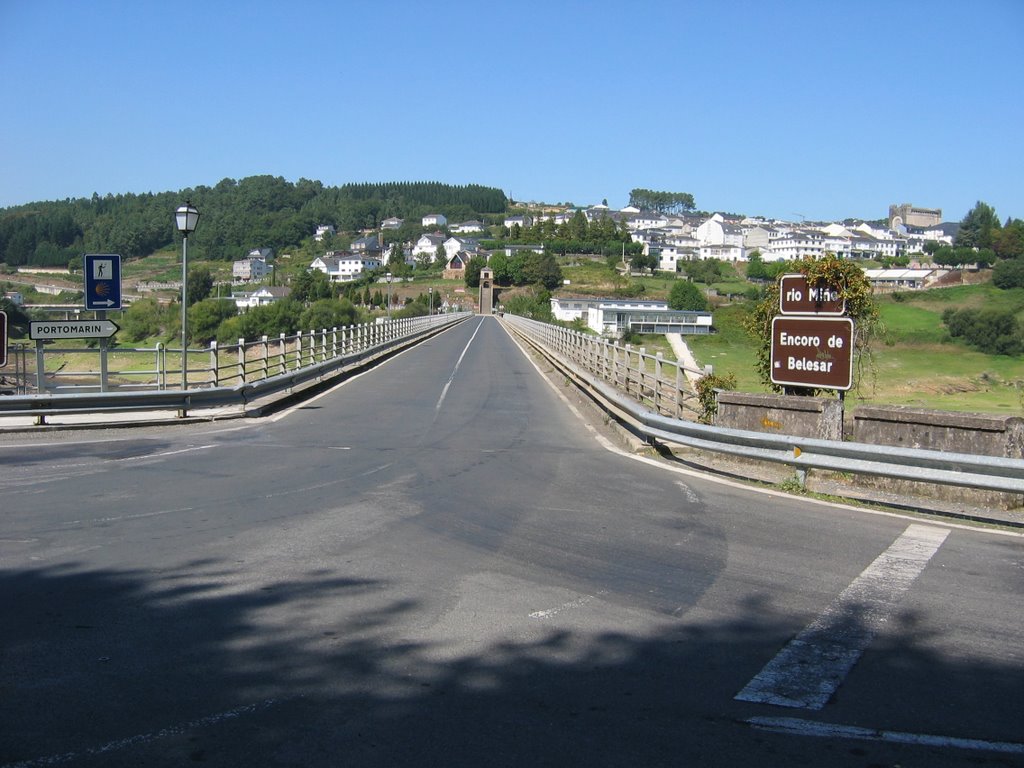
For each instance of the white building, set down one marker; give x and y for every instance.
(250, 268)
(610, 317)
(428, 244)
(468, 227)
(435, 220)
(323, 230)
(342, 267)
(262, 296)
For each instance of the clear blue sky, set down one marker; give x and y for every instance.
(807, 108)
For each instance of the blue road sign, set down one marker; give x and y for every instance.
(102, 281)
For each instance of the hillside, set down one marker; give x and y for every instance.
(236, 217)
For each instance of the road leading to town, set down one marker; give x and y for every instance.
(437, 564)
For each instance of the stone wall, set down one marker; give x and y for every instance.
(819, 417)
(948, 431)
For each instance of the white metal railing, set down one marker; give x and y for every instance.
(652, 380)
(235, 374)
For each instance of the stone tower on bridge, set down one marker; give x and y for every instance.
(486, 291)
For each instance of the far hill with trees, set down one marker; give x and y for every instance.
(237, 216)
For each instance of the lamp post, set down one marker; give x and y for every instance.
(389, 295)
(430, 300)
(186, 218)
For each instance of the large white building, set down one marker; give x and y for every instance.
(343, 267)
(610, 317)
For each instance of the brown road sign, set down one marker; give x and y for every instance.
(798, 297)
(812, 352)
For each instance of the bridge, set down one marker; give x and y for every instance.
(447, 558)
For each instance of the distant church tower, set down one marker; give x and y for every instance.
(486, 291)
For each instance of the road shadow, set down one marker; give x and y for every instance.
(112, 668)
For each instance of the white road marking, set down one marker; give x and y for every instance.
(797, 727)
(444, 392)
(577, 603)
(691, 496)
(144, 738)
(162, 454)
(812, 666)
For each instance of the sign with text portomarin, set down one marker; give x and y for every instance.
(812, 352)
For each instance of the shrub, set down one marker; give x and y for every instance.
(707, 396)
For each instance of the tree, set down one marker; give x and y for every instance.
(17, 320)
(311, 285)
(499, 266)
(473, 267)
(205, 317)
(1009, 274)
(144, 319)
(200, 283)
(542, 269)
(979, 227)
(755, 267)
(1009, 241)
(328, 313)
(641, 261)
(685, 295)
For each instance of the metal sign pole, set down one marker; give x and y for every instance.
(40, 368)
(102, 315)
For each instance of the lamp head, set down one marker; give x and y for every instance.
(186, 218)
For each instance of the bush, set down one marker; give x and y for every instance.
(1009, 274)
(993, 331)
(707, 397)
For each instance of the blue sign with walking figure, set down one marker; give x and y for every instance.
(102, 280)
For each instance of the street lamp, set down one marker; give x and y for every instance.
(186, 218)
(430, 300)
(388, 276)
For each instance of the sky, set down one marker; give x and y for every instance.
(800, 110)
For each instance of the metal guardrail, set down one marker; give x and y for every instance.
(323, 354)
(991, 473)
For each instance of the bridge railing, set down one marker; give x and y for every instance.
(991, 473)
(662, 385)
(233, 374)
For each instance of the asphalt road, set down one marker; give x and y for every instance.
(439, 564)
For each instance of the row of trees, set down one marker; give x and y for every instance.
(577, 235)
(661, 202)
(237, 216)
(521, 268)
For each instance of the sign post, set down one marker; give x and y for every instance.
(812, 342)
(39, 330)
(102, 281)
(798, 297)
(3, 339)
(102, 293)
(812, 352)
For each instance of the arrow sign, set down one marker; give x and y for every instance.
(71, 329)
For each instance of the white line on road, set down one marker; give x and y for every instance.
(162, 454)
(811, 667)
(444, 392)
(797, 727)
(144, 738)
(577, 603)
